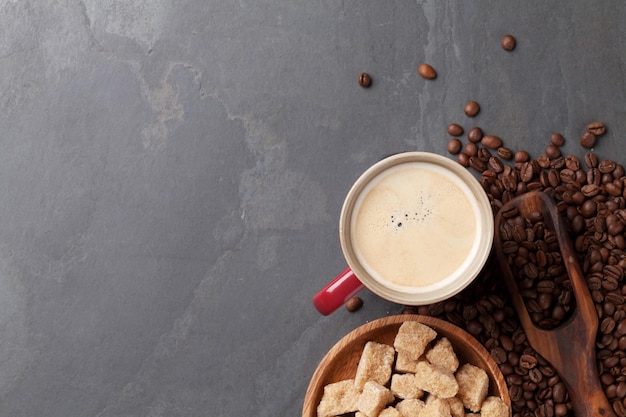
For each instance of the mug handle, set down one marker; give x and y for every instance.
(337, 292)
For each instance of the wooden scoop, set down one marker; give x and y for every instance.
(570, 347)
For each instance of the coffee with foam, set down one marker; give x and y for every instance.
(415, 225)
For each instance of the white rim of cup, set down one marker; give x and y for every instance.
(448, 287)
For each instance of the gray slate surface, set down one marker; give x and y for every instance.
(172, 173)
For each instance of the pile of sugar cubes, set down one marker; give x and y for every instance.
(419, 376)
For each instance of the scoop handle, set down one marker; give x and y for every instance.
(337, 292)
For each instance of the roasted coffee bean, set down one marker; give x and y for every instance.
(591, 160)
(475, 134)
(557, 139)
(471, 149)
(495, 164)
(590, 190)
(455, 129)
(571, 162)
(471, 108)
(504, 153)
(477, 163)
(606, 166)
(528, 361)
(597, 128)
(588, 209)
(353, 304)
(567, 176)
(521, 156)
(427, 71)
(491, 141)
(543, 161)
(484, 154)
(508, 42)
(463, 159)
(557, 163)
(454, 146)
(588, 140)
(365, 80)
(552, 151)
(527, 171)
(594, 176)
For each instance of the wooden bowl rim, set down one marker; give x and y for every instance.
(315, 384)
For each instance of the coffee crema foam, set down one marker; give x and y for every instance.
(414, 225)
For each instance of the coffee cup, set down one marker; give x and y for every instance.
(415, 228)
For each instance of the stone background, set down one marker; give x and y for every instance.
(171, 176)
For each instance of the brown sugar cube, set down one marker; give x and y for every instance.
(406, 364)
(390, 412)
(412, 339)
(442, 354)
(436, 407)
(373, 399)
(375, 364)
(410, 407)
(456, 407)
(436, 381)
(405, 386)
(338, 398)
(494, 407)
(473, 385)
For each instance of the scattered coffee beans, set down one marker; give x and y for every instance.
(471, 108)
(508, 42)
(354, 304)
(591, 196)
(427, 72)
(365, 80)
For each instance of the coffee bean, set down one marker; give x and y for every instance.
(475, 134)
(471, 149)
(353, 304)
(528, 361)
(591, 160)
(557, 139)
(477, 163)
(508, 42)
(521, 156)
(606, 166)
(552, 151)
(504, 153)
(495, 164)
(543, 161)
(463, 159)
(588, 140)
(597, 128)
(471, 108)
(491, 141)
(427, 71)
(365, 80)
(454, 146)
(455, 129)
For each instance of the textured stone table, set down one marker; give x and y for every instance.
(172, 173)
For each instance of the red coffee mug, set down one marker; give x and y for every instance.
(443, 186)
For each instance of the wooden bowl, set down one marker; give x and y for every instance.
(341, 361)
